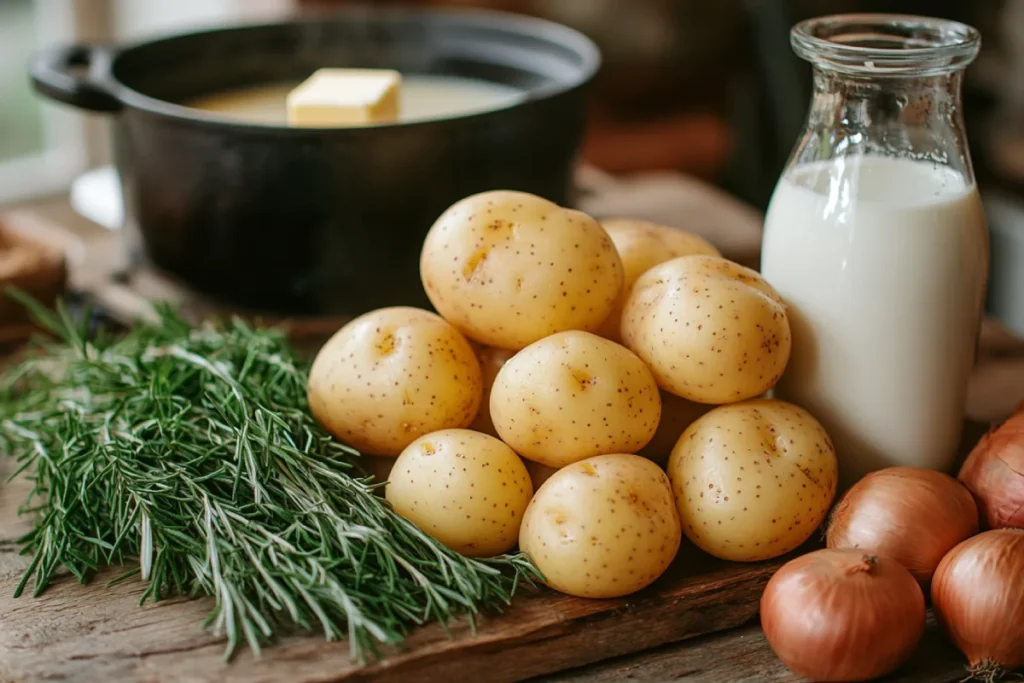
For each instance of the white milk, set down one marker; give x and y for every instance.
(883, 263)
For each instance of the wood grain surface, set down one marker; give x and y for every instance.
(99, 633)
(743, 655)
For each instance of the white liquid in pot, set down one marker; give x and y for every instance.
(422, 97)
(883, 263)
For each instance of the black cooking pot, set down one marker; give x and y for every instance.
(307, 221)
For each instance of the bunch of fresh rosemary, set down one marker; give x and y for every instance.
(193, 452)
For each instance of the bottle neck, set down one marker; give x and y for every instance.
(917, 117)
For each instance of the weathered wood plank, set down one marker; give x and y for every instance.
(95, 633)
(12, 527)
(743, 654)
(100, 633)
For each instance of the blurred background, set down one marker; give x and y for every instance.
(711, 90)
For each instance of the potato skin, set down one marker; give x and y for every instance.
(392, 375)
(603, 527)
(468, 490)
(509, 268)
(753, 480)
(711, 330)
(574, 395)
(641, 246)
(491, 361)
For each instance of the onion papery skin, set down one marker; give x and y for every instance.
(843, 615)
(978, 595)
(910, 514)
(994, 473)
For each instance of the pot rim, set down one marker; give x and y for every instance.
(102, 63)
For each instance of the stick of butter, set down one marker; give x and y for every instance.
(345, 97)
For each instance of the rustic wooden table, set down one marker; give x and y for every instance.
(743, 655)
(91, 633)
(75, 634)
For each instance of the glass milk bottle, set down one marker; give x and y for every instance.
(876, 239)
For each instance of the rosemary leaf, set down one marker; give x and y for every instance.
(192, 452)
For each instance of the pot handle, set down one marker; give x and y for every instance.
(78, 75)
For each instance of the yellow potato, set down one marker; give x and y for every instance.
(602, 528)
(641, 246)
(509, 268)
(753, 480)
(468, 490)
(491, 360)
(392, 375)
(574, 395)
(711, 330)
(676, 415)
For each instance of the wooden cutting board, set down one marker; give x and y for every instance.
(99, 633)
(95, 633)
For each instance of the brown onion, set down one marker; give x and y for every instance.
(843, 615)
(978, 594)
(911, 514)
(994, 473)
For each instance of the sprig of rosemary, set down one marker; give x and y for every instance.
(192, 450)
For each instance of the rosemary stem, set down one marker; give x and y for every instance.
(192, 451)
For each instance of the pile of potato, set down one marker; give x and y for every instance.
(565, 398)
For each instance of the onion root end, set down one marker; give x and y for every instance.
(988, 671)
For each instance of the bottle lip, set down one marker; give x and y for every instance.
(886, 44)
